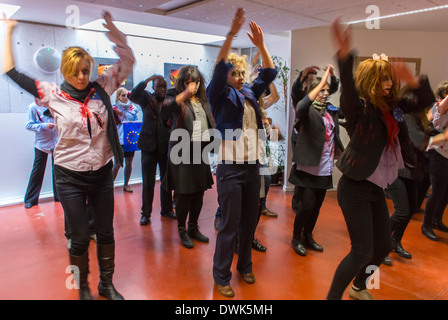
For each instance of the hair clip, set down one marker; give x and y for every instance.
(383, 56)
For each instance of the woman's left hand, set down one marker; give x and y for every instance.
(402, 72)
(114, 35)
(257, 36)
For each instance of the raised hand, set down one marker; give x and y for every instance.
(114, 35)
(237, 21)
(256, 34)
(402, 72)
(342, 38)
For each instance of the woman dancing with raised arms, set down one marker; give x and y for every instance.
(88, 141)
(235, 108)
(372, 157)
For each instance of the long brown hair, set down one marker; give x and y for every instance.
(191, 73)
(368, 80)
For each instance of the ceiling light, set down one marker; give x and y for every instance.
(8, 10)
(400, 14)
(155, 32)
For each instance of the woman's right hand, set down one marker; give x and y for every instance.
(237, 21)
(342, 38)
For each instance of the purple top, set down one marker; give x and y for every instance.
(325, 167)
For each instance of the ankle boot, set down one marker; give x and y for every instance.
(185, 238)
(311, 244)
(80, 275)
(106, 263)
(398, 249)
(438, 225)
(194, 233)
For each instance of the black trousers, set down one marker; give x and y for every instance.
(80, 203)
(308, 210)
(403, 193)
(150, 160)
(37, 178)
(366, 214)
(438, 200)
(238, 187)
(189, 204)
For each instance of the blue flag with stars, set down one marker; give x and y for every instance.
(131, 132)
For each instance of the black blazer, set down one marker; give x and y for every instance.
(366, 125)
(311, 134)
(183, 116)
(154, 134)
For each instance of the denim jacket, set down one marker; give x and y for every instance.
(227, 103)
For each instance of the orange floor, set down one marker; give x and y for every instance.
(151, 263)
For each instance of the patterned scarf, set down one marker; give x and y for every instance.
(319, 106)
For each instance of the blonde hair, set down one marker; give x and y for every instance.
(118, 93)
(238, 61)
(71, 58)
(368, 80)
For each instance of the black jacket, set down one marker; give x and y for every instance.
(154, 134)
(366, 125)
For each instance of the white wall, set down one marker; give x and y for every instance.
(315, 47)
(17, 143)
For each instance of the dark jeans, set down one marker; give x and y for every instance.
(149, 169)
(403, 193)
(189, 204)
(37, 178)
(238, 187)
(308, 210)
(367, 217)
(438, 200)
(77, 202)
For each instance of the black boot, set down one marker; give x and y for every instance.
(398, 249)
(297, 245)
(185, 238)
(194, 233)
(106, 263)
(429, 232)
(81, 274)
(311, 244)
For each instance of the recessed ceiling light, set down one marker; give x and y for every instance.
(155, 32)
(8, 10)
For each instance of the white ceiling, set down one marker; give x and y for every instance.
(276, 17)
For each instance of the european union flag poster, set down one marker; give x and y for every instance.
(131, 132)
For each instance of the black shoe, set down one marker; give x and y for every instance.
(256, 245)
(144, 220)
(309, 243)
(170, 214)
(440, 226)
(194, 233)
(185, 238)
(387, 261)
(28, 205)
(429, 233)
(298, 247)
(398, 249)
(81, 274)
(106, 263)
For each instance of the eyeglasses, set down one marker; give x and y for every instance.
(238, 73)
(124, 95)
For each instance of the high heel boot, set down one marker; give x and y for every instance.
(106, 263)
(82, 264)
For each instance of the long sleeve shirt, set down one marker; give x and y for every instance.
(45, 139)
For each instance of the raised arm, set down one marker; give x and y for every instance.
(313, 94)
(257, 37)
(237, 22)
(8, 54)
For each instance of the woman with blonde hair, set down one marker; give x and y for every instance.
(88, 141)
(378, 148)
(236, 111)
(124, 112)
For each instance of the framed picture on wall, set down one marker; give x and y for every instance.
(413, 63)
(171, 70)
(101, 64)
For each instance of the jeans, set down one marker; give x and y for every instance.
(78, 201)
(367, 217)
(403, 193)
(238, 187)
